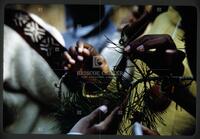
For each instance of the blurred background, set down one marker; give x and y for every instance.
(55, 14)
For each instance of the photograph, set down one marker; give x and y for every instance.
(99, 69)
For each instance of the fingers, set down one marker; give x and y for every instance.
(80, 46)
(83, 48)
(147, 42)
(79, 52)
(86, 52)
(89, 124)
(84, 125)
(76, 55)
(162, 42)
(159, 52)
(134, 44)
(180, 55)
(111, 123)
(169, 56)
(97, 115)
(69, 58)
(162, 63)
(174, 56)
(174, 60)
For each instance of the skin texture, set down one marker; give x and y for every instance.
(164, 54)
(80, 58)
(99, 122)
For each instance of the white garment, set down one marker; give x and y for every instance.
(30, 85)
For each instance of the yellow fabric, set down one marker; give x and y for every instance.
(179, 121)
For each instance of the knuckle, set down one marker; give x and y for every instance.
(103, 128)
(167, 38)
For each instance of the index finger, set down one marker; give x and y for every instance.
(69, 58)
(161, 43)
(97, 115)
(137, 42)
(111, 123)
(80, 46)
(147, 42)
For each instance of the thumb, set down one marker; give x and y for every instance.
(111, 123)
(97, 115)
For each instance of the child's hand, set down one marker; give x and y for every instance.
(85, 62)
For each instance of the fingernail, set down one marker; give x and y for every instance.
(86, 51)
(104, 108)
(123, 25)
(80, 58)
(66, 68)
(170, 51)
(127, 48)
(72, 61)
(140, 48)
(80, 49)
(69, 65)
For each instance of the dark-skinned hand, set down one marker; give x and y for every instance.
(84, 58)
(98, 122)
(159, 52)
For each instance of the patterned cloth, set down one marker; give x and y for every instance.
(29, 92)
(45, 39)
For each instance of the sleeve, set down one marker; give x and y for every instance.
(27, 71)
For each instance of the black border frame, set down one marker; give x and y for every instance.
(195, 3)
